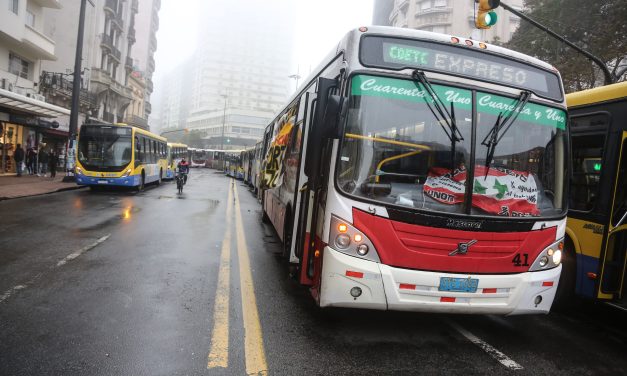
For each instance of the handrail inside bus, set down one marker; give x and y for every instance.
(387, 141)
(395, 157)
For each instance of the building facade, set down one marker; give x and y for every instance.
(455, 17)
(239, 77)
(146, 26)
(26, 119)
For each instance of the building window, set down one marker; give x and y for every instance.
(30, 18)
(18, 66)
(14, 5)
(440, 3)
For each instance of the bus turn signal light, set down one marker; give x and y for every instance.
(342, 228)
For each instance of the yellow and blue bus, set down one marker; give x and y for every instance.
(176, 152)
(119, 155)
(596, 231)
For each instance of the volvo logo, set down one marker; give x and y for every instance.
(462, 248)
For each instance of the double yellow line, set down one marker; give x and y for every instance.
(253, 338)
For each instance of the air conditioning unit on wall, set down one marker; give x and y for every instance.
(38, 97)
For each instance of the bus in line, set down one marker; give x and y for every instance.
(176, 152)
(119, 155)
(596, 233)
(420, 171)
(198, 157)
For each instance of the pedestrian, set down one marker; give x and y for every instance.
(18, 156)
(52, 163)
(43, 162)
(31, 157)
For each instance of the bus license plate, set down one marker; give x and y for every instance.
(102, 182)
(458, 284)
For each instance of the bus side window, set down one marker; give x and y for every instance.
(138, 151)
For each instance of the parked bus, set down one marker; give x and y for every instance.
(198, 157)
(176, 152)
(423, 172)
(119, 155)
(596, 232)
(248, 160)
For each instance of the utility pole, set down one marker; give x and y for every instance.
(225, 97)
(76, 90)
(599, 62)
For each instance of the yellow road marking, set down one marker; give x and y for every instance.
(253, 338)
(219, 353)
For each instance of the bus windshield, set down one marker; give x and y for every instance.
(105, 148)
(397, 149)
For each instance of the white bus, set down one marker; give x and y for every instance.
(423, 172)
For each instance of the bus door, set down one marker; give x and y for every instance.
(312, 194)
(615, 260)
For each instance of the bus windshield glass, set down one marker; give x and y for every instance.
(105, 148)
(397, 149)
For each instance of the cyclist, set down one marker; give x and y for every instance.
(183, 168)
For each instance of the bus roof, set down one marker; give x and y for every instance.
(599, 94)
(354, 34)
(139, 130)
(177, 145)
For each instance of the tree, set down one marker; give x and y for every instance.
(596, 26)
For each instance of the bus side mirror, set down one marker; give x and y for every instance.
(334, 113)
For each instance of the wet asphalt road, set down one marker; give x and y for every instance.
(125, 283)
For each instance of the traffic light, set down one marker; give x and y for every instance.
(486, 16)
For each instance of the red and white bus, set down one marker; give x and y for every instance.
(423, 172)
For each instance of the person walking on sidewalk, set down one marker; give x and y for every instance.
(43, 162)
(18, 156)
(52, 163)
(31, 158)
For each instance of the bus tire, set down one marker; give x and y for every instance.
(287, 236)
(142, 182)
(565, 296)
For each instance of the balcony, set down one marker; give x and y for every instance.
(54, 4)
(147, 108)
(153, 41)
(111, 6)
(135, 6)
(106, 41)
(108, 117)
(58, 87)
(136, 121)
(40, 44)
(131, 35)
(402, 5)
(422, 12)
(129, 63)
(149, 85)
(151, 63)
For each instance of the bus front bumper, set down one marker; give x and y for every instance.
(384, 287)
(128, 181)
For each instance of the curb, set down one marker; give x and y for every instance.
(44, 193)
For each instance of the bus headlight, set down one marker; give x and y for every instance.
(549, 258)
(347, 239)
(127, 173)
(78, 170)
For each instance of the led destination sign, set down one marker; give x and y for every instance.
(401, 53)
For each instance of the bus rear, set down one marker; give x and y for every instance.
(431, 176)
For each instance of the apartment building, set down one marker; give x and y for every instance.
(456, 17)
(239, 78)
(25, 117)
(145, 33)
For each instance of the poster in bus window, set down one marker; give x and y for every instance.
(501, 191)
(273, 170)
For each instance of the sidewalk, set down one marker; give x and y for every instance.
(32, 185)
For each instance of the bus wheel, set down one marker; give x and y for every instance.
(140, 187)
(565, 295)
(287, 239)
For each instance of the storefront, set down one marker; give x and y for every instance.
(23, 122)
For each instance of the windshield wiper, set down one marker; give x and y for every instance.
(501, 126)
(442, 115)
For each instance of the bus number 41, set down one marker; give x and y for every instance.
(517, 260)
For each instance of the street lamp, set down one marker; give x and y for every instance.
(225, 97)
(295, 77)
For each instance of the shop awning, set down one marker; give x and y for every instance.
(19, 102)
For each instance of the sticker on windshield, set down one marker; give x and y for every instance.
(502, 191)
